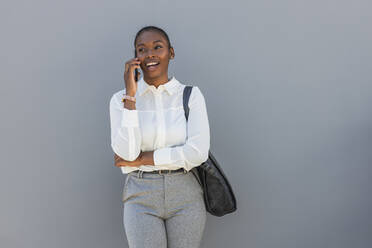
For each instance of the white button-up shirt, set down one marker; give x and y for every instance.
(158, 124)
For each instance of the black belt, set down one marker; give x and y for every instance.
(160, 172)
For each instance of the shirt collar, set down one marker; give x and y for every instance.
(169, 86)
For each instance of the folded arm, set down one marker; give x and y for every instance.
(125, 131)
(196, 148)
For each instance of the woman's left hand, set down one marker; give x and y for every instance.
(144, 158)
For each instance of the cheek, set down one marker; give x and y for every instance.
(165, 59)
(164, 64)
(163, 54)
(142, 63)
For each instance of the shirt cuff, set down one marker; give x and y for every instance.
(129, 118)
(162, 156)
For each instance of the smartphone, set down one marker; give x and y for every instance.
(135, 70)
(136, 74)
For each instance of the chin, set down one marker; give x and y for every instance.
(154, 75)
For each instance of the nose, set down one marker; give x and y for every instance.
(149, 53)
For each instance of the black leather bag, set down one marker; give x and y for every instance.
(218, 195)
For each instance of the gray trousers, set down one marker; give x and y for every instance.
(163, 210)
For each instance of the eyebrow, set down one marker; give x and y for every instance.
(141, 44)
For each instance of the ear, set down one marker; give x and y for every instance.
(171, 53)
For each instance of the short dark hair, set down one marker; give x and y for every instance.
(152, 28)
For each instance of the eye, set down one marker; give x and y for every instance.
(158, 46)
(140, 49)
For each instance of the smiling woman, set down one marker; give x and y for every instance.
(154, 51)
(155, 146)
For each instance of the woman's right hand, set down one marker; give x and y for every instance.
(130, 82)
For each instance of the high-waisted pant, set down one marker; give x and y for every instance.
(164, 210)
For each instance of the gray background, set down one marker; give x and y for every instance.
(288, 92)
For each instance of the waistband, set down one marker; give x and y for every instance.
(140, 173)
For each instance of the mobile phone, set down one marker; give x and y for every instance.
(136, 74)
(135, 70)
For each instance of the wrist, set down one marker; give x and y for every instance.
(130, 93)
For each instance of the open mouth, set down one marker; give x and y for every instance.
(151, 66)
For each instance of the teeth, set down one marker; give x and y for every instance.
(151, 63)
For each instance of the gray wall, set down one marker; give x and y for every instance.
(288, 92)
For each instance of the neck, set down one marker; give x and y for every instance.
(157, 81)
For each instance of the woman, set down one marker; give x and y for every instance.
(156, 148)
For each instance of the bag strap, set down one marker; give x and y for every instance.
(186, 96)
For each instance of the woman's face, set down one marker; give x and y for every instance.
(152, 47)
